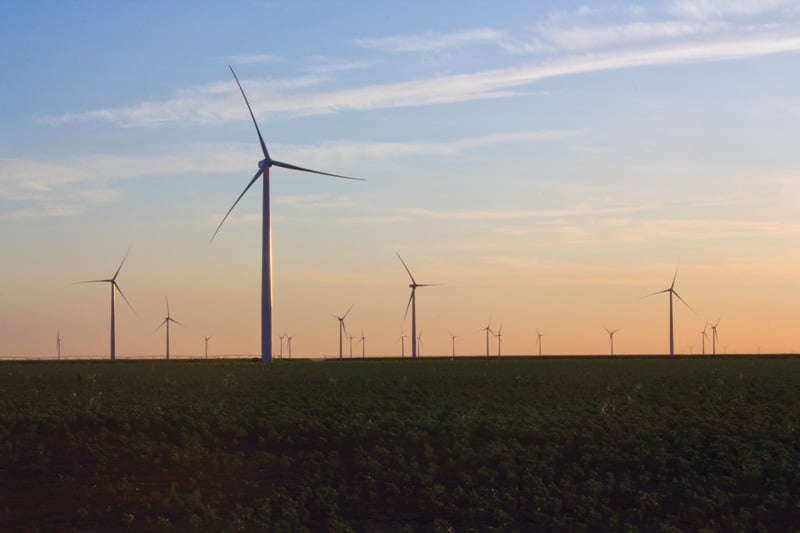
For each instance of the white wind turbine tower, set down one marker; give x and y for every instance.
(351, 345)
(488, 330)
(539, 341)
(403, 344)
(418, 351)
(206, 339)
(280, 353)
(266, 248)
(611, 337)
(714, 337)
(58, 344)
(671, 291)
(704, 336)
(499, 336)
(342, 329)
(289, 344)
(363, 343)
(114, 290)
(412, 302)
(166, 321)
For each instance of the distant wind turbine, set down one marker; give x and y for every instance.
(611, 338)
(418, 351)
(499, 336)
(488, 330)
(266, 249)
(114, 290)
(704, 336)
(58, 344)
(403, 344)
(412, 302)
(714, 337)
(539, 341)
(453, 339)
(289, 344)
(671, 291)
(351, 346)
(280, 353)
(207, 339)
(342, 329)
(363, 343)
(166, 321)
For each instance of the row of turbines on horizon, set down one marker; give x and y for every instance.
(266, 278)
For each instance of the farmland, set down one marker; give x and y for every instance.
(428, 445)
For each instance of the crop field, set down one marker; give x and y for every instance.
(524, 444)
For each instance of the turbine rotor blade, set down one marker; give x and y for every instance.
(405, 316)
(657, 292)
(407, 270)
(116, 286)
(348, 311)
(684, 301)
(252, 181)
(179, 323)
(260, 138)
(303, 169)
(120, 265)
(675, 277)
(159, 326)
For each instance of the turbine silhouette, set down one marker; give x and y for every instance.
(403, 343)
(206, 339)
(289, 344)
(412, 302)
(704, 336)
(363, 343)
(266, 250)
(539, 341)
(342, 328)
(671, 291)
(714, 337)
(453, 338)
(114, 290)
(166, 321)
(58, 344)
(611, 338)
(488, 330)
(499, 336)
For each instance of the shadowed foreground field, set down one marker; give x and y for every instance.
(474, 444)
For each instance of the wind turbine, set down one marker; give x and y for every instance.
(166, 321)
(714, 337)
(206, 339)
(539, 341)
(58, 344)
(488, 330)
(671, 291)
(611, 338)
(403, 344)
(266, 231)
(453, 339)
(342, 328)
(114, 290)
(289, 344)
(280, 353)
(363, 345)
(418, 345)
(351, 345)
(499, 336)
(704, 336)
(412, 302)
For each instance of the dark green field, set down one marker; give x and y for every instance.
(473, 444)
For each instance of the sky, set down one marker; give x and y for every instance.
(548, 163)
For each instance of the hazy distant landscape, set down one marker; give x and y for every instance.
(427, 445)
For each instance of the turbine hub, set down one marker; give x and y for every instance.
(264, 163)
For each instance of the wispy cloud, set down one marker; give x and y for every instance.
(296, 96)
(250, 59)
(428, 42)
(715, 9)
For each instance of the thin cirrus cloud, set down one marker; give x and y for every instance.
(432, 42)
(299, 97)
(715, 9)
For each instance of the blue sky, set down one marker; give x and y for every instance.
(549, 163)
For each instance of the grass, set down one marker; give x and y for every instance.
(472, 444)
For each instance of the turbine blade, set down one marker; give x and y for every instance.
(348, 311)
(303, 169)
(260, 138)
(675, 277)
(252, 181)
(93, 281)
(717, 324)
(407, 270)
(159, 326)
(430, 284)
(120, 265)
(657, 292)
(405, 316)
(684, 301)
(179, 323)
(116, 286)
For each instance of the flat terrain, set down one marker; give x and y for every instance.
(430, 445)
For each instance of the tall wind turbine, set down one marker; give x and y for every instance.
(342, 329)
(412, 302)
(289, 344)
(453, 338)
(672, 292)
(488, 330)
(266, 249)
(539, 341)
(714, 337)
(611, 338)
(704, 336)
(166, 321)
(207, 339)
(403, 344)
(114, 290)
(280, 353)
